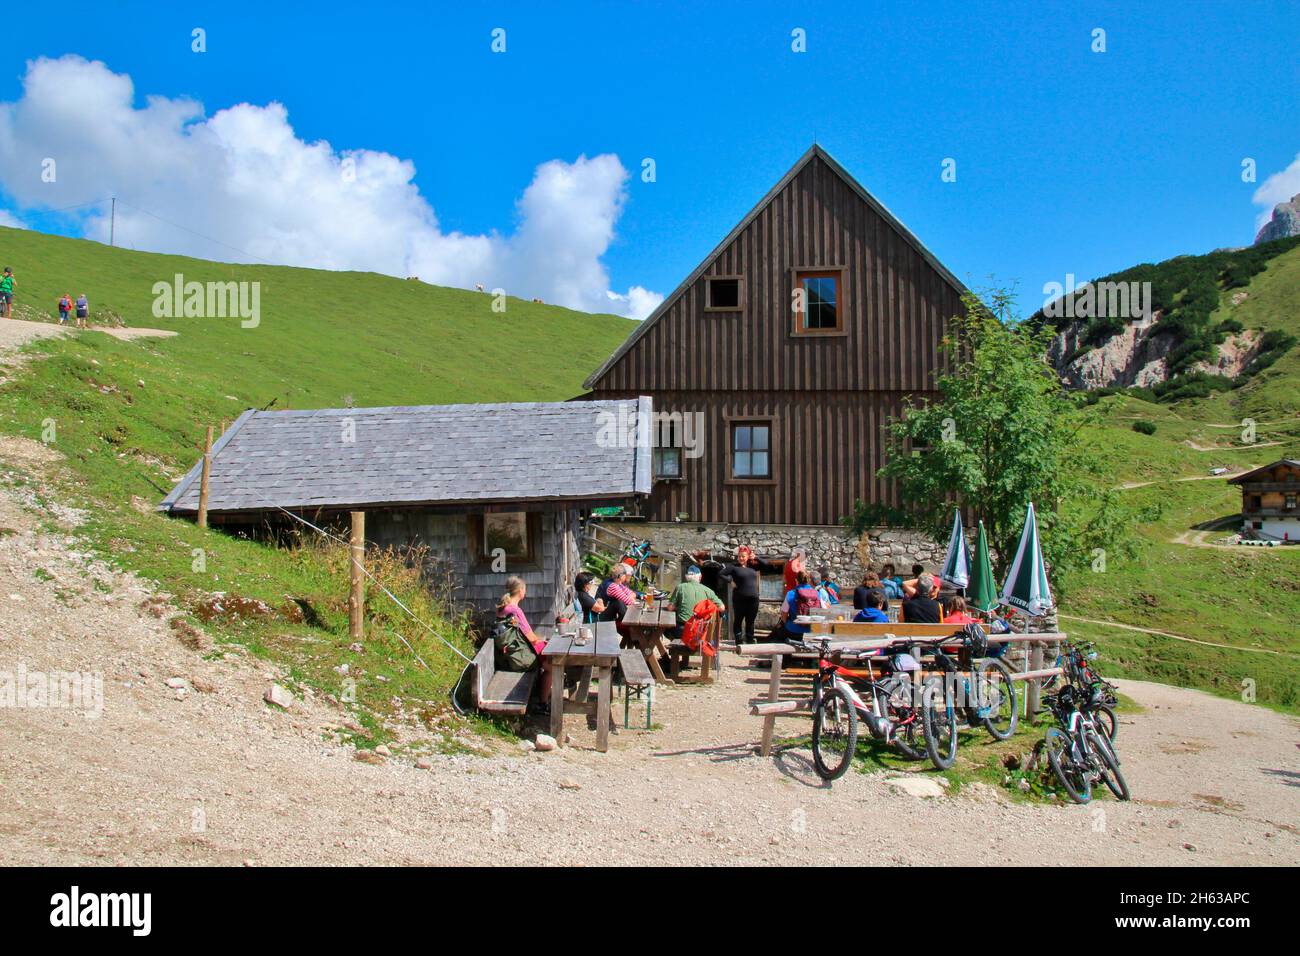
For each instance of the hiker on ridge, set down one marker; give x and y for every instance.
(7, 283)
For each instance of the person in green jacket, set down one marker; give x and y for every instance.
(688, 594)
(7, 293)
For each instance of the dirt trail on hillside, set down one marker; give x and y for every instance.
(206, 772)
(15, 333)
(1162, 481)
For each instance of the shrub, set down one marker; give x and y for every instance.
(1144, 426)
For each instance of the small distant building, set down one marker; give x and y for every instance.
(490, 490)
(1269, 501)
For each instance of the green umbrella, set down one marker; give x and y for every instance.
(981, 593)
(956, 564)
(1026, 587)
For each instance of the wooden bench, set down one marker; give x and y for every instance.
(500, 692)
(638, 682)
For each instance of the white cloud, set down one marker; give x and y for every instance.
(242, 176)
(1279, 187)
(9, 219)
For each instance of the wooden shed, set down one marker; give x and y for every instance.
(490, 490)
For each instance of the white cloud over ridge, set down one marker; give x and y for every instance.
(1279, 187)
(244, 177)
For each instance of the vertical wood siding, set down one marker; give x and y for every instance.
(830, 396)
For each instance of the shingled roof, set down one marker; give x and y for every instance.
(421, 454)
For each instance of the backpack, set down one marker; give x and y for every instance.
(696, 630)
(514, 651)
(806, 601)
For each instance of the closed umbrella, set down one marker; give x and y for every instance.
(956, 564)
(1026, 587)
(982, 593)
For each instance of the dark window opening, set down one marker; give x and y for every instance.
(722, 294)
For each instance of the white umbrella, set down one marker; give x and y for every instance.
(1026, 588)
(956, 564)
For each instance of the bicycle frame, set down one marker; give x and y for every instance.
(835, 675)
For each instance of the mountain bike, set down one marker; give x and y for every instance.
(1079, 752)
(1101, 695)
(983, 686)
(973, 684)
(886, 705)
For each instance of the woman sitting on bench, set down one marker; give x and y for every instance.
(508, 609)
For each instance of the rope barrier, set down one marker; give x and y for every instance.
(393, 597)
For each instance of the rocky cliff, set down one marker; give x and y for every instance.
(1284, 224)
(1136, 356)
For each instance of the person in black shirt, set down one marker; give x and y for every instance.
(923, 608)
(744, 600)
(745, 576)
(588, 607)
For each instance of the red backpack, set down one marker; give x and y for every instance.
(807, 601)
(696, 629)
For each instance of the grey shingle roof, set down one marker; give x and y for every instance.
(420, 454)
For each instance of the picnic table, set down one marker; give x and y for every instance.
(645, 628)
(597, 658)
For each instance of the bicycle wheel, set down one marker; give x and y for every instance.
(939, 714)
(997, 699)
(1104, 717)
(834, 734)
(906, 731)
(1060, 756)
(1111, 775)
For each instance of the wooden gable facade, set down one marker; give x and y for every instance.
(820, 384)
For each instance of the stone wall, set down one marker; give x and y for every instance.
(843, 552)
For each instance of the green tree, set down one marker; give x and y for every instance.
(1002, 432)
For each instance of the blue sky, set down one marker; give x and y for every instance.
(1067, 160)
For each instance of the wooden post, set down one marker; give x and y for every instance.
(357, 598)
(773, 693)
(1035, 689)
(203, 482)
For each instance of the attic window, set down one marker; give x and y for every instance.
(817, 301)
(722, 294)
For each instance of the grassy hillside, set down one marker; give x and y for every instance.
(1180, 582)
(325, 336)
(130, 416)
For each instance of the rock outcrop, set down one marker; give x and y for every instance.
(1285, 222)
(1135, 356)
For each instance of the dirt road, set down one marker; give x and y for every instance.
(205, 772)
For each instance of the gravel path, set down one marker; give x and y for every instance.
(207, 773)
(15, 333)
